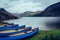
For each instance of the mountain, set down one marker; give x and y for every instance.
(51, 11)
(27, 14)
(16, 14)
(4, 15)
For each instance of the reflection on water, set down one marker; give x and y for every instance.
(34, 22)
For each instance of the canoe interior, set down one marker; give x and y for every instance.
(20, 33)
(9, 31)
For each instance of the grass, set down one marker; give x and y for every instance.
(43, 33)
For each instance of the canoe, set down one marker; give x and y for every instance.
(15, 31)
(13, 27)
(11, 37)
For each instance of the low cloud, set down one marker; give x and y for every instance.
(18, 6)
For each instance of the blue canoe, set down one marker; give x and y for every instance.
(10, 33)
(7, 37)
(13, 27)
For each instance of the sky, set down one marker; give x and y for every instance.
(19, 6)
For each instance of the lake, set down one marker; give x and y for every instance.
(34, 22)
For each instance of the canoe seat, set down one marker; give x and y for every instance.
(29, 28)
(25, 30)
(20, 29)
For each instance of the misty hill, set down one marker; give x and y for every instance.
(4, 15)
(51, 11)
(27, 14)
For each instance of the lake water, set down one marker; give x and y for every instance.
(34, 22)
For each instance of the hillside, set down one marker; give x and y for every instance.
(27, 14)
(4, 15)
(51, 11)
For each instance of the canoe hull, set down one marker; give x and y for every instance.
(21, 36)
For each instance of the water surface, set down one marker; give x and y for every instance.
(34, 22)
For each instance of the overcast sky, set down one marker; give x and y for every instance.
(18, 6)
